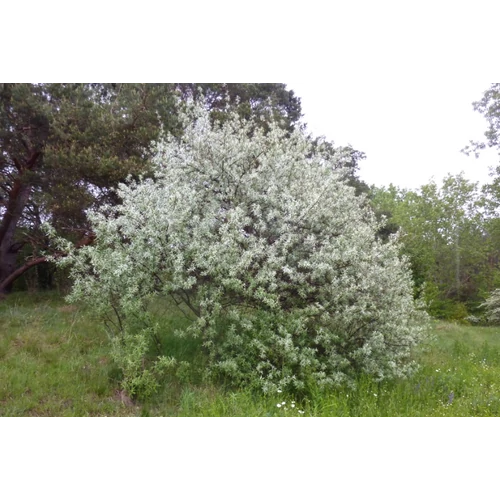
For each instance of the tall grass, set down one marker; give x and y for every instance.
(54, 361)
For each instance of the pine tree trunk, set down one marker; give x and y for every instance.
(18, 198)
(7, 267)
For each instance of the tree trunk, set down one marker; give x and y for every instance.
(7, 267)
(18, 198)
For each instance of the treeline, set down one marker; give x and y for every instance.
(65, 147)
(451, 235)
(451, 232)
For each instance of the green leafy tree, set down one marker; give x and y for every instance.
(489, 107)
(258, 234)
(445, 233)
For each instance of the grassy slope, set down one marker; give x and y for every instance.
(54, 361)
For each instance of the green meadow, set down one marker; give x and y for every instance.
(55, 361)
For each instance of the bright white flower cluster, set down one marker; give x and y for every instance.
(260, 236)
(292, 406)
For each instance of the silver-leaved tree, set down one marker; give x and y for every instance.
(259, 236)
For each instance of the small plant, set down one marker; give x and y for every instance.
(140, 376)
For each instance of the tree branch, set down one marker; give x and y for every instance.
(87, 240)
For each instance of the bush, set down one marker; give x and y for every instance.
(492, 307)
(130, 351)
(260, 237)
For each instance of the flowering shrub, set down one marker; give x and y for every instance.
(262, 239)
(492, 308)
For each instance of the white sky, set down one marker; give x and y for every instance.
(410, 131)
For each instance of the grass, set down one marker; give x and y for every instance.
(54, 361)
